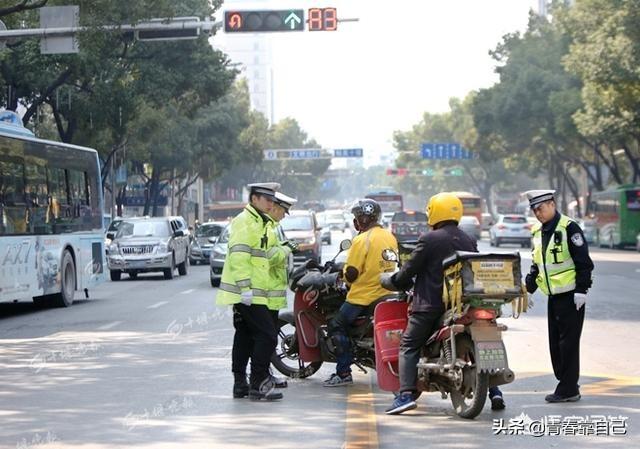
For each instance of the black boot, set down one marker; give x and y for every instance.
(240, 386)
(265, 391)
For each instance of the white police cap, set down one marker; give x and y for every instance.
(264, 188)
(539, 196)
(284, 200)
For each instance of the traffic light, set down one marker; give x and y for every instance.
(397, 171)
(263, 21)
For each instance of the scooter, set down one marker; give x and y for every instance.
(465, 355)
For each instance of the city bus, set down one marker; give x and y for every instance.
(223, 210)
(617, 215)
(471, 204)
(51, 226)
(389, 201)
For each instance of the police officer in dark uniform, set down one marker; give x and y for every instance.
(562, 270)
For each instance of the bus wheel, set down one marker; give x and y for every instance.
(67, 281)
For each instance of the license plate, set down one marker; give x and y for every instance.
(491, 355)
(137, 264)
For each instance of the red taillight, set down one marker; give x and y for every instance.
(528, 226)
(483, 314)
(502, 227)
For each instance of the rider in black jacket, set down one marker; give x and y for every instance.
(444, 212)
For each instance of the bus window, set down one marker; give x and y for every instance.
(37, 198)
(12, 198)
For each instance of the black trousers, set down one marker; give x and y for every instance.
(420, 327)
(255, 338)
(565, 328)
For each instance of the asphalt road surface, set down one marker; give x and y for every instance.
(146, 363)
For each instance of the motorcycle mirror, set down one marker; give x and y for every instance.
(345, 245)
(389, 255)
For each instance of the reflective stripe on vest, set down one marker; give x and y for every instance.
(224, 286)
(554, 277)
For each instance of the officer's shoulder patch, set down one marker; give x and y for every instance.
(577, 239)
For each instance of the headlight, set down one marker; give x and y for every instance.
(310, 240)
(113, 249)
(163, 248)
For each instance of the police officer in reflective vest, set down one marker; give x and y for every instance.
(247, 285)
(562, 270)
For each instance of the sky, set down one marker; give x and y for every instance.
(353, 87)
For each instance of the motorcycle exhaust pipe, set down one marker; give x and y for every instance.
(508, 376)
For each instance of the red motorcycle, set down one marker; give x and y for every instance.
(304, 343)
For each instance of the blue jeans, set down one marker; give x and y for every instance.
(339, 330)
(494, 391)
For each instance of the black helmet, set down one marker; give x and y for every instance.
(367, 208)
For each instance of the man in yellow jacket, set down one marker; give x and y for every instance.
(247, 285)
(362, 272)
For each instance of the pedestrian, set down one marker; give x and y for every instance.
(246, 284)
(561, 269)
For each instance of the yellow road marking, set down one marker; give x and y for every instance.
(361, 431)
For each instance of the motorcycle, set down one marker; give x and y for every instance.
(304, 342)
(465, 355)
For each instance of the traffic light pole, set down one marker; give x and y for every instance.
(177, 23)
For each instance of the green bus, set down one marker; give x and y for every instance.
(617, 215)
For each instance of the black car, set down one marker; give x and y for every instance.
(408, 225)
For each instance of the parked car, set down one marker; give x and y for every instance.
(149, 244)
(325, 234)
(470, 225)
(408, 225)
(487, 221)
(201, 243)
(219, 254)
(512, 228)
(302, 227)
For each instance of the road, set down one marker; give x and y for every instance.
(146, 363)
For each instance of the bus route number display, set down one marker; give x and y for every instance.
(322, 19)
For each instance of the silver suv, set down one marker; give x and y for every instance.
(148, 244)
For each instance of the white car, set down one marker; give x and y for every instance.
(511, 228)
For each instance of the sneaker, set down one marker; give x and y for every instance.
(338, 381)
(403, 402)
(497, 403)
(557, 398)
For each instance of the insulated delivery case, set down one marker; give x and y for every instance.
(483, 277)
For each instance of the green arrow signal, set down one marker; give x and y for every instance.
(292, 19)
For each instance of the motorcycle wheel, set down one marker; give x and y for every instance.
(469, 400)
(286, 359)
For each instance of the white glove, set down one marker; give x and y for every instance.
(579, 299)
(246, 297)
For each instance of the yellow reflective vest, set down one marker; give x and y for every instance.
(557, 271)
(278, 257)
(247, 265)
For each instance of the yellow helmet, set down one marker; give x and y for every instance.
(442, 207)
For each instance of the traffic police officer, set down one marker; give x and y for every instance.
(246, 284)
(562, 270)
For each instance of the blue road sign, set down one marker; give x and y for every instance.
(348, 152)
(445, 150)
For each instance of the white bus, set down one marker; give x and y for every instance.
(51, 231)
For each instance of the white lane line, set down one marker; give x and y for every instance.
(106, 327)
(186, 292)
(158, 304)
